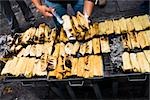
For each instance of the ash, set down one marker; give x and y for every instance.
(15, 91)
(5, 44)
(116, 48)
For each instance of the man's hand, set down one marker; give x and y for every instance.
(88, 7)
(86, 17)
(46, 11)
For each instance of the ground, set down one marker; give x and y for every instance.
(113, 9)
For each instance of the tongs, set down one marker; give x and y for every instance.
(60, 20)
(57, 17)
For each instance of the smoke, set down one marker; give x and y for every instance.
(15, 91)
(5, 44)
(116, 48)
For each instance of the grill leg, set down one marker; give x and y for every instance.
(97, 91)
(57, 89)
(57, 92)
(115, 89)
(71, 92)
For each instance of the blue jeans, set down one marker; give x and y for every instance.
(9, 14)
(61, 7)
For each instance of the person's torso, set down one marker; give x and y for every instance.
(64, 1)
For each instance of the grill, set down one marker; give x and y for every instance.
(112, 73)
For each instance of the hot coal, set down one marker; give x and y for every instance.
(5, 45)
(116, 48)
(15, 91)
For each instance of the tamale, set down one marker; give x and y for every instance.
(53, 34)
(67, 63)
(141, 39)
(91, 64)
(83, 49)
(81, 65)
(122, 25)
(6, 68)
(129, 44)
(28, 34)
(37, 69)
(36, 38)
(12, 68)
(63, 36)
(133, 39)
(86, 73)
(62, 49)
(59, 66)
(126, 61)
(67, 74)
(17, 48)
(44, 59)
(136, 23)
(47, 32)
(76, 47)
(92, 31)
(52, 73)
(58, 75)
(33, 50)
(100, 63)
(147, 39)
(68, 48)
(104, 42)
(83, 22)
(96, 45)
(23, 68)
(67, 26)
(21, 53)
(89, 47)
(39, 50)
(148, 34)
(87, 35)
(143, 63)
(134, 62)
(27, 50)
(98, 66)
(129, 24)
(96, 28)
(76, 24)
(147, 54)
(48, 46)
(51, 62)
(126, 42)
(30, 67)
(102, 28)
(41, 34)
(116, 26)
(109, 25)
(13, 48)
(81, 35)
(20, 64)
(145, 21)
(56, 51)
(74, 68)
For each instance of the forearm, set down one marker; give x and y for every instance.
(88, 7)
(37, 3)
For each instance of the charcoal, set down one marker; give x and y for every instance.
(5, 44)
(15, 91)
(116, 52)
(3, 39)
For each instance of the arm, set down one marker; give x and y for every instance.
(88, 7)
(46, 11)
